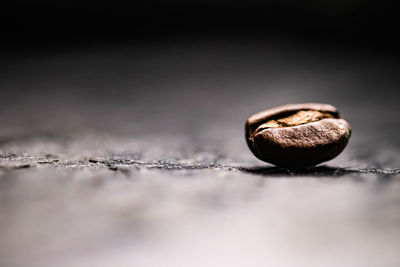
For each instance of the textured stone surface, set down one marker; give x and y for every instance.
(134, 155)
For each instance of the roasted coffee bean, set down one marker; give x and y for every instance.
(297, 135)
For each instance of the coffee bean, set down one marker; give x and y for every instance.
(297, 135)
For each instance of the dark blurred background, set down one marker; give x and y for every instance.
(366, 23)
(190, 68)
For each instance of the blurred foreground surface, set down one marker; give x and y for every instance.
(134, 155)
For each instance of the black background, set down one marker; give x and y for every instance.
(185, 64)
(367, 23)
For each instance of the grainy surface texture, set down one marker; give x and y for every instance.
(134, 155)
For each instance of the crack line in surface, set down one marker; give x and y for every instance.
(24, 161)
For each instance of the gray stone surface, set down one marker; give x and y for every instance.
(134, 155)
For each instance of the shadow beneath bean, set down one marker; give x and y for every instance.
(318, 171)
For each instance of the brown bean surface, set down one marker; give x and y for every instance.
(297, 135)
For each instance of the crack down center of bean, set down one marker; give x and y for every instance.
(299, 118)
